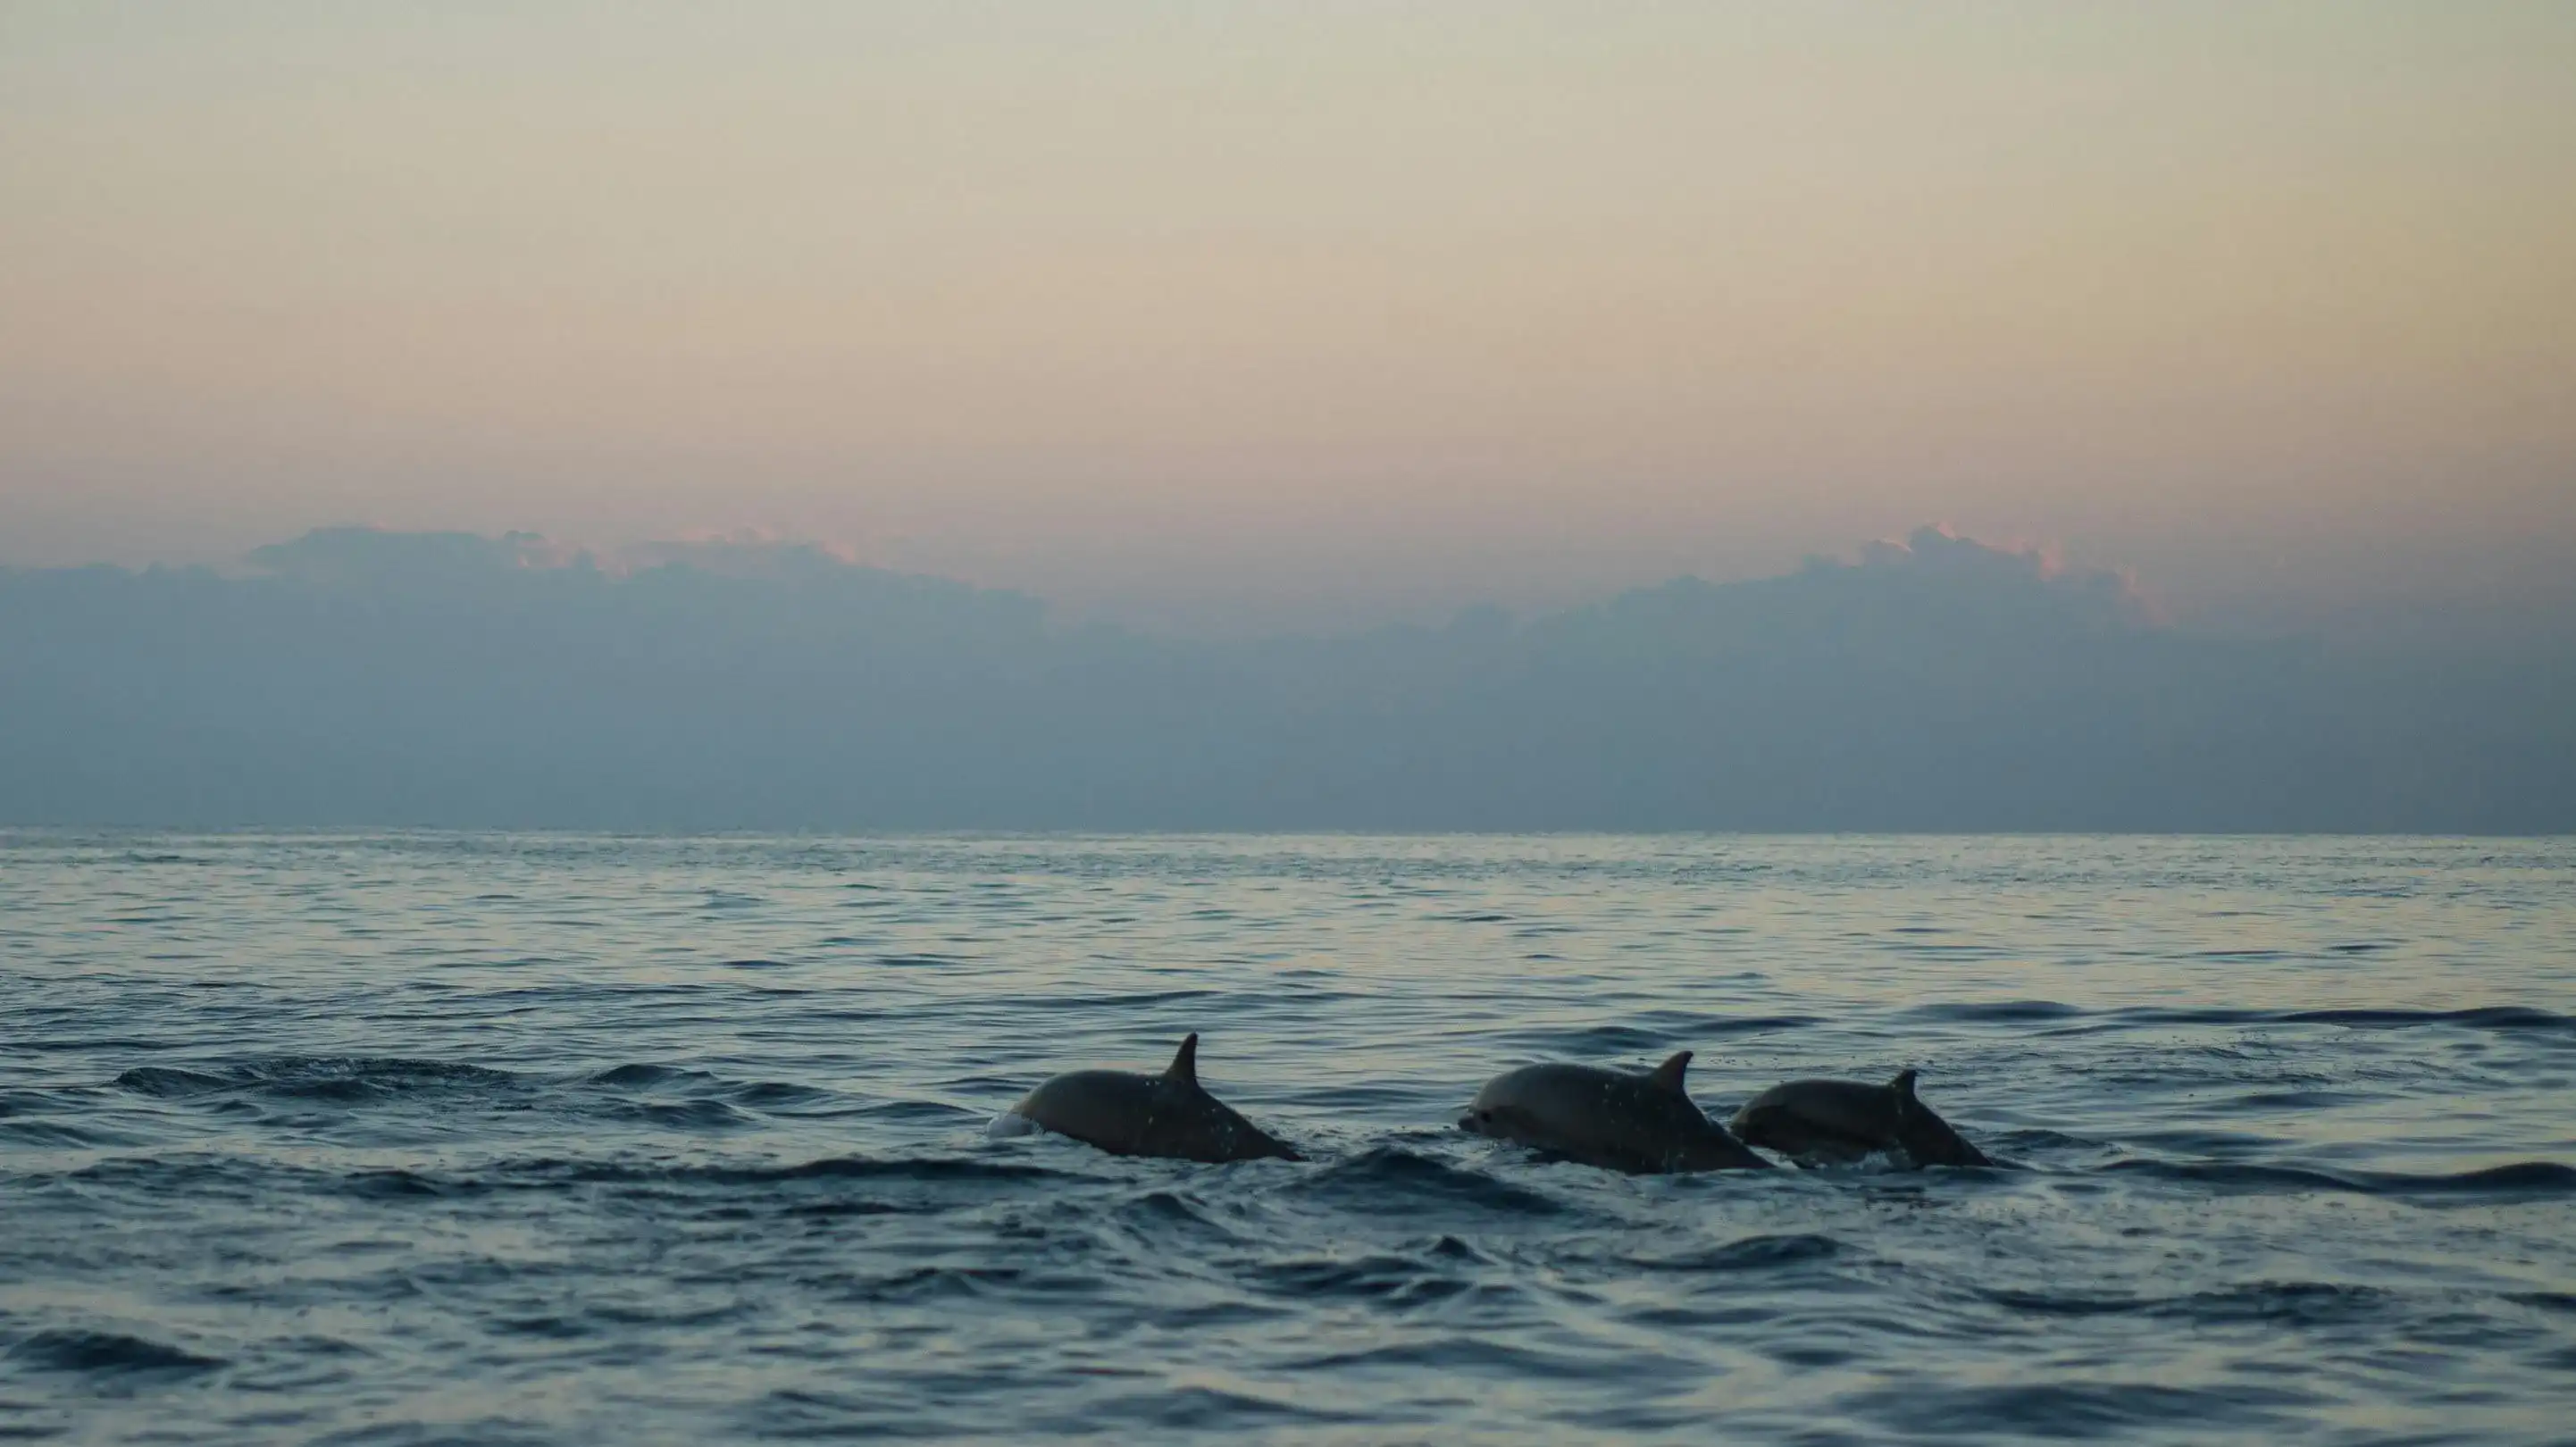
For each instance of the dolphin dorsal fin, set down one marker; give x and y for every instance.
(1185, 1062)
(1903, 1084)
(1669, 1074)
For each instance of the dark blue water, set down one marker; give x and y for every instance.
(585, 1139)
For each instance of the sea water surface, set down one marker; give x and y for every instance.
(578, 1139)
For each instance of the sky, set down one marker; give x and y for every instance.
(1266, 316)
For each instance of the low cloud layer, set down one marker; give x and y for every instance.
(355, 677)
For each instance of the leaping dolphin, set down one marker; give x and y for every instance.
(1844, 1120)
(1127, 1114)
(1637, 1121)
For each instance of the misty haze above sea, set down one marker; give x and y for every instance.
(360, 678)
(581, 1139)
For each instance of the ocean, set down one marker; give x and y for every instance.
(412, 1138)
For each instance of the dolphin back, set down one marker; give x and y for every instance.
(1811, 1120)
(1169, 1115)
(1844, 1120)
(1641, 1123)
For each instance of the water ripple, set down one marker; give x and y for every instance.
(572, 1139)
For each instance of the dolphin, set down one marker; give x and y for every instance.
(1844, 1120)
(1637, 1121)
(1169, 1114)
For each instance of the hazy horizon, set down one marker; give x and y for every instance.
(2498, 609)
(355, 677)
(1311, 317)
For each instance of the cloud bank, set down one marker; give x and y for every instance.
(367, 678)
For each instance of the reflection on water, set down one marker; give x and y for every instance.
(580, 1138)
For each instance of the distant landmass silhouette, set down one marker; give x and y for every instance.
(365, 678)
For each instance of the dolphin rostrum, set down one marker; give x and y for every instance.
(1127, 1114)
(1844, 1120)
(1637, 1121)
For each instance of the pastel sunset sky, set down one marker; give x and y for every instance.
(1274, 314)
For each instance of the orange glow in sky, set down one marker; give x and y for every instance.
(1172, 308)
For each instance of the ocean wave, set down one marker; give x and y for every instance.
(320, 1078)
(106, 1352)
(2078, 1020)
(651, 1077)
(1997, 1012)
(1388, 1176)
(40, 1134)
(2519, 1179)
(1767, 1252)
(925, 1170)
(1434, 1273)
(1685, 1027)
(183, 1175)
(2480, 1017)
(2486, 1017)
(2310, 1303)
(672, 1097)
(2102, 1407)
